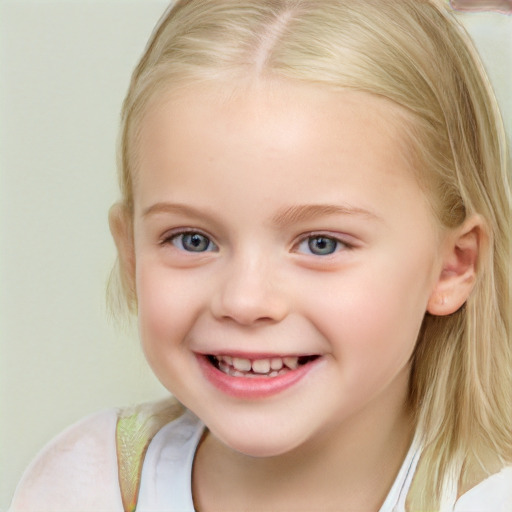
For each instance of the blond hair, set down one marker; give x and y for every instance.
(414, 53)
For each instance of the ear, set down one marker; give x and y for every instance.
(463, 247)
(121, 227)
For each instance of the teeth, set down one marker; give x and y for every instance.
(291, 362)
(242, 365)
(261, 366)
(276, 363)
(224, 367)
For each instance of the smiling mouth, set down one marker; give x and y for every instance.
(257, 368)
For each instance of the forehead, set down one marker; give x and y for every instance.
(281, 106)
(283, 133)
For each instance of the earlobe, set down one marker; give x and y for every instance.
(463, 250)
(121, 227)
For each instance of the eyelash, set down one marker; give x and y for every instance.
(339, 245)
(176, 236)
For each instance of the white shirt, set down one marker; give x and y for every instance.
(77, 472)
(167, 476)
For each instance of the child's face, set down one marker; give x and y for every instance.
(285, 222)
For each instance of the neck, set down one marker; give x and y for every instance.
(346, 467)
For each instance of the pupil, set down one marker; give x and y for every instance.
(322, 245)
(195, 242)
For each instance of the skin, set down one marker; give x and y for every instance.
(247, 168)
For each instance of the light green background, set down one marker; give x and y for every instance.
(64, 70)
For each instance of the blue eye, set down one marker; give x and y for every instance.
(193, 242)
(320, 245)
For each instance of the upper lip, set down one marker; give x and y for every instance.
(256, 355)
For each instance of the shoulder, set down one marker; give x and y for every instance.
(76, 471)
(494, 494)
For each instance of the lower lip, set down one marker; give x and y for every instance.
(255, 387)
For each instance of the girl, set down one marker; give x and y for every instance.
(314, 232)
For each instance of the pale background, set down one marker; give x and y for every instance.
(64, 70)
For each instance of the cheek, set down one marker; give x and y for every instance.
(154, 305)
(169, 302)
(165, 315)
(375, 314)
(163, 307)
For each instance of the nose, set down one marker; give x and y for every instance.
(249, 292)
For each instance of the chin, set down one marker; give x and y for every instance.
(258, 450)
(257, 443)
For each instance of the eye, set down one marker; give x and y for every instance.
(320, 245)
(192, 242)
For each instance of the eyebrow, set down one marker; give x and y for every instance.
(172, 208)
(300, 213)
(286, 217)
